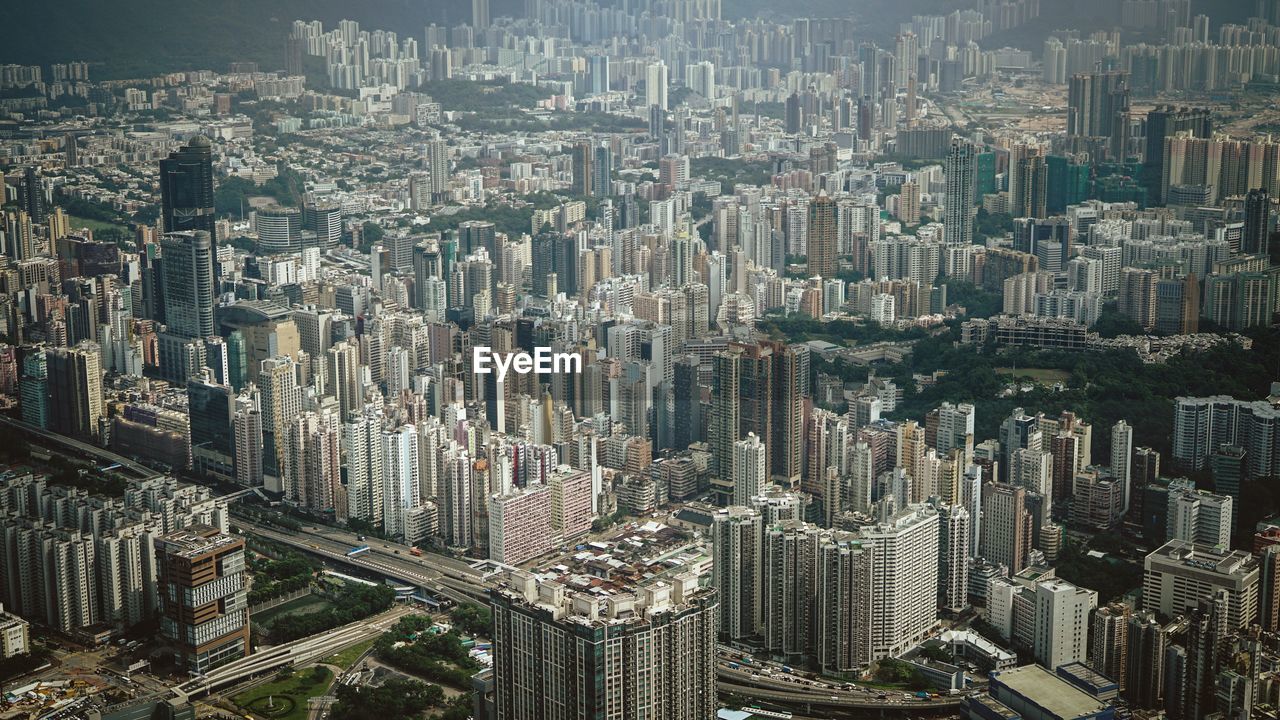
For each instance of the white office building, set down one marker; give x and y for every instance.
(1062, 622)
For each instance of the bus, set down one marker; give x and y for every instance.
(357, 550)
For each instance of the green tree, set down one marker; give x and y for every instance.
(352, 603)
(1112, 323)
(987, 225)
(978, 303)
(395, 698)
(371, 234)
(473, 619)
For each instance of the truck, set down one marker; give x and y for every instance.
(416, 552)
(734, 666)
(786, 670)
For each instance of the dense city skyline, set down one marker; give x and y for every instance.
(666, 359)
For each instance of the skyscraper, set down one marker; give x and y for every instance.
(1178, 305)
(1109, 642)
(688, 421)
(844, 592)
(211, 408)
(958, 209)
(791, 550)
(1062, 623)
(1006, 526)
(325, 220)
(186, 188)
(750, 473)
(648, 650)
(822, 237)
(949, 427)
(1121, 460)
(315, 469)
(204, 610)
(31, 195)
(479, 14)
(281, 403)
(437, 161)
(583, 168)
(909, 203)
(1144, 661)
(1206, 632)
(1097, 107)
(953, 558)
(904, 572)
(1179, 575)
(598, 73)
(75, 390)
(1229, 468)
(602, 172)
(737, 567)
(247, 430)
(520, 524)
(400, 478)
(33, 388)
(793, 113)
(655, 85)
(1031, 198)
(188, 286)
(1166, 122)
(1257, 223)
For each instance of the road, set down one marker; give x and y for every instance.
(138, 470)
(298, 652)
(451, 578)
(825, 704)
(799, 691)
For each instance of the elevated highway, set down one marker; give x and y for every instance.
(298, 652)
(436, 574)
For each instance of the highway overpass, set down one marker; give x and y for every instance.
(797, 692)
(298, 652)
(433, 573)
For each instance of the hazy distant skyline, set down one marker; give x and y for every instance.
(136, 36)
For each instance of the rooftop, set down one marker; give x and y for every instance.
(994, 708)
(197, 540)
(1204, 558)
(1086, 678)
(1055, 695)
(634, 556)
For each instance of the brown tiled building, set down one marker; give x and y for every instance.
(204, 611)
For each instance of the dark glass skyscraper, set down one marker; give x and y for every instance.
(602, 172)
(958, 208)
(186, 188)
(1097, 107)
(31, 195)
(583, 162)
(1165, 122)
(1257, 222)
(209, 407)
